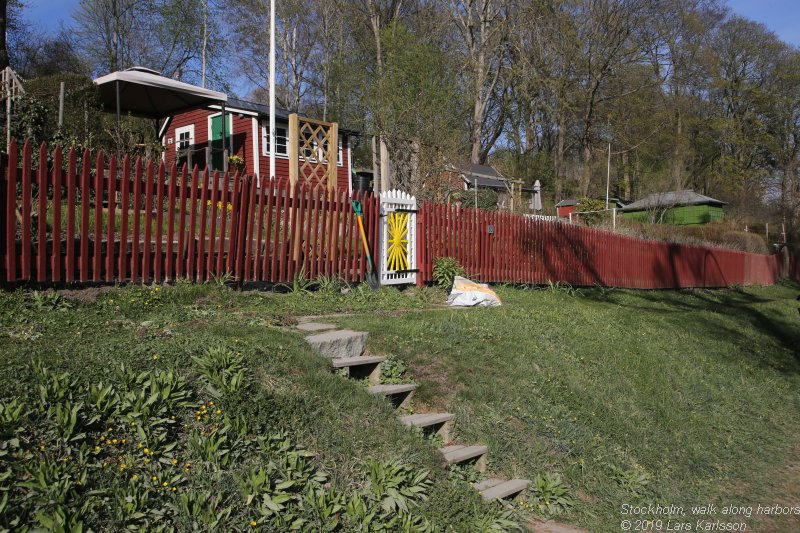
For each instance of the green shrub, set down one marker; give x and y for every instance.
(590, 210)
(550, 495)
(444, 270)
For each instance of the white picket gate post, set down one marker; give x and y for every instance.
(398, 262)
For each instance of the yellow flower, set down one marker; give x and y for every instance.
(123, 441)
(108, 441)
(165, 484)
(134, 477)
(139, 445)
(154, 478)
(147, 461)
(114, 441)
(155, 357)
(210, 403)
(97, 448)
(174, 489)
(109, 430)
(253, 523)
(146, 450)
(219, 411)
(174, 461)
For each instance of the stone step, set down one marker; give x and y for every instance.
(400, 395)
(339, 344)
(487, 483)
(311, 327)
(423, 420)
(345, 362)
(460, 454)
(504, 489)
(359, 367)
(427, 421)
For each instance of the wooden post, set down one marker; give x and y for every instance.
(333, 156)
(294, 156)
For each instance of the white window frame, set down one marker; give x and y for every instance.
(340, 154)
(179, 131)
(265, 141)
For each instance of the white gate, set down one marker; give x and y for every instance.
(398, 263)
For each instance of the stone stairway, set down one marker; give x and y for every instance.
(347, 351)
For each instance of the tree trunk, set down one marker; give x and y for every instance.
(678, 160)
(3, 28)
(561, 171)
(586, 171)
(626, 176)
(376, 172)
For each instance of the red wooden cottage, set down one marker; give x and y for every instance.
(195, 137)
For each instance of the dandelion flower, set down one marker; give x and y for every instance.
(165, 484)
(174, 489)
(154, 478)
(253, 523)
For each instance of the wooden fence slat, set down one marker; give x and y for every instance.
(223, 223)
(270, 243)
(41, 236)
(169, 263)
(158, 268)
(257, 256)
(137, 211)
(251, 213)
(147, 259)
(112, 207)
(241, 229)
(84, 243)
(11, 210)
(55, 259)
(125, 185)
(202, 261)
(233, 237)
(286, 191)
(25, 259)
(191, 245)
(212, 231)
(180, 253)
(97, 242)
(71, 184)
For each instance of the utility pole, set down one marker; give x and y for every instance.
(205, 43)
(272, 139)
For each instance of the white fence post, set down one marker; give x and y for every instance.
(398, 261)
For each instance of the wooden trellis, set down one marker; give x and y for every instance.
(313, 152)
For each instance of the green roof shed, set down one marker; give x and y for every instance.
(683, 208)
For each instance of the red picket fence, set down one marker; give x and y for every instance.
(135, 222)
(69, 221)
(494, 246)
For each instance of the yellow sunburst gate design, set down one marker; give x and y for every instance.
(397, 251)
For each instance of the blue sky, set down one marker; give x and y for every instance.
(781, 16)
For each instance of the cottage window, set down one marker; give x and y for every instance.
(280, 144)
(184, 138)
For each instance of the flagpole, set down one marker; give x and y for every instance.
(272, 139)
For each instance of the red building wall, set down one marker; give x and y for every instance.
(243, 145)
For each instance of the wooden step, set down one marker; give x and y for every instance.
(399, 394)
(427, 421)
(359, 367)
(460, 454)
(503, 489)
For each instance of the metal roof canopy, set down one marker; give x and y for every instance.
(145, 93)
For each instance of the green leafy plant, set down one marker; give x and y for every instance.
(328, 284)
(221, 371)
(445, 269)
(395, 486)
(550, 495)
(634, 480)
(590, 210)
(393, 370)
(300, 283)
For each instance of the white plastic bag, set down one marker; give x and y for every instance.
(466, 293)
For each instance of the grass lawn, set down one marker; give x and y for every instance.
(681, 398)
(630, 396)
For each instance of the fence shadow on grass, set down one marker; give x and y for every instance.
(728, 313)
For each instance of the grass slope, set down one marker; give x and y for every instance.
(673, 397)
(162, 328)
